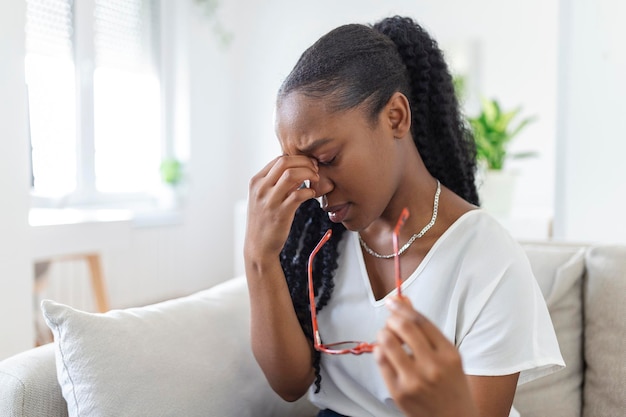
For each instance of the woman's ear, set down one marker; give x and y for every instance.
(397, 114)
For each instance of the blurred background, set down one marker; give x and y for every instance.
(129, 130)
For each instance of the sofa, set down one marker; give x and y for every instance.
(191, 356)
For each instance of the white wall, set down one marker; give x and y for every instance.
(591, 187)
(16, 318)
(517, 43)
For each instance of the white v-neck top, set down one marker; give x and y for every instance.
(475, 284)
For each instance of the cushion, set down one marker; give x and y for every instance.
(605, 332)
(559, 272)
(184, 357)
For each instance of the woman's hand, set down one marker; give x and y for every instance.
(422, 369)
(274, 196)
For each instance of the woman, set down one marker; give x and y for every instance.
(369, 120)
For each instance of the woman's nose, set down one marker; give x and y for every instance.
(323, 186)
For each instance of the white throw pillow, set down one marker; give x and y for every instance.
(184, 357)
(559, 272)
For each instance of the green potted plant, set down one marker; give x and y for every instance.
(171, 171)
(493, 130)
(172, 177)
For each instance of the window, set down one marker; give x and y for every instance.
(94, 100)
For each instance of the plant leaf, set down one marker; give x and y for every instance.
(493, 129)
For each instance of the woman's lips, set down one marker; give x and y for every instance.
(337, 214)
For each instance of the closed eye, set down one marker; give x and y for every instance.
(327, 162)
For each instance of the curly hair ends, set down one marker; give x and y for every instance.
(358, 65)
(309, 225)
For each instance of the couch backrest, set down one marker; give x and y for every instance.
(605, 332)
(585, 290)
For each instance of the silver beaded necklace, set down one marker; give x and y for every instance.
(413, 238)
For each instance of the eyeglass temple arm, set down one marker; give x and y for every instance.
(313, 308)
(396, 232)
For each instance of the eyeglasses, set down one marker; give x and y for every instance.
(355, 348)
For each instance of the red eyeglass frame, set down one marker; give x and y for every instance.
(361, 347)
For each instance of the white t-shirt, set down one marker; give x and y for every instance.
(475, 284)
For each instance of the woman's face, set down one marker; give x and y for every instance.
(358, 161)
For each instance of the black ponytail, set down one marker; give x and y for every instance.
(439, 131)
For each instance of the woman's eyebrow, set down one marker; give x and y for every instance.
(310, 148)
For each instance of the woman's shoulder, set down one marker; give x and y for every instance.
(479, 234)
(478, 222)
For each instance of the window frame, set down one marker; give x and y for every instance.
(86, 194)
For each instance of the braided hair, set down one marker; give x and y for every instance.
(358, 65)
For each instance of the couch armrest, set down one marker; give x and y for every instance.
(29, 385)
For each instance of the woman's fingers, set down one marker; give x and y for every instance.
(413, 344)
(274, 196)
(403, 313)
(421, 368)
(392, 346)
(387, 369)
(292, 170)
(280, 182)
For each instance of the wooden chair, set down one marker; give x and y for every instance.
(95, 270)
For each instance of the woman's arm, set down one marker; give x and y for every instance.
(493, 395)
(278, 343)
(429, 381)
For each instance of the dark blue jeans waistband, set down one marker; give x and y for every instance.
(329, 413)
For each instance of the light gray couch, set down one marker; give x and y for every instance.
(191, 356)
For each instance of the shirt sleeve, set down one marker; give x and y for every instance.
(506, 327)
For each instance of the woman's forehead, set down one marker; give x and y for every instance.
(298, 108)
(301, 120)
(298, 115)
